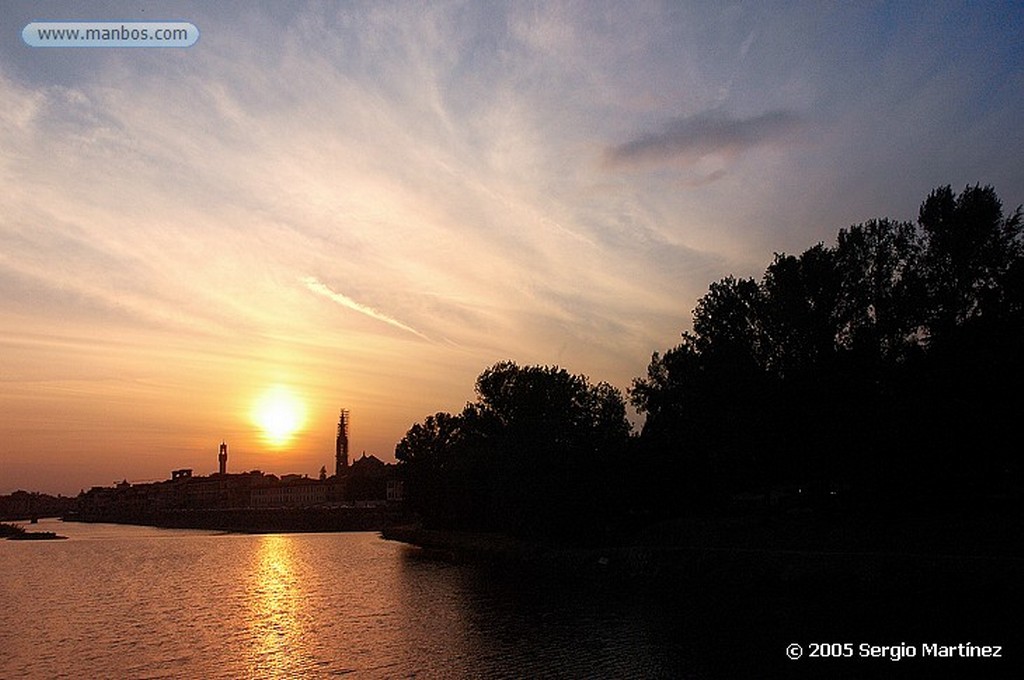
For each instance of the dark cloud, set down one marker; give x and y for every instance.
(710, 133)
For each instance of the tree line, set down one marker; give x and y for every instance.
(886, 367)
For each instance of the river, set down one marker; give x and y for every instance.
(137, 602)
(124, 601)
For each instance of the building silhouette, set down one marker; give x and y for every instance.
(341, 445)
(364, 482)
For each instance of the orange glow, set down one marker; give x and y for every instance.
(280, 414)
(278, 616)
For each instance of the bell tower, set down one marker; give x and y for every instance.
(222, 458)
(341, 446)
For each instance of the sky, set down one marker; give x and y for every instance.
(365, 205)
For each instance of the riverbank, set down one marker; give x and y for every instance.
(14, 532)
(255, 520)
(913, 553)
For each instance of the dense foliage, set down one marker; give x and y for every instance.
(534, 454)
(888, 365)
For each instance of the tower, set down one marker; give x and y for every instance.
(222, 458)
(341, 446)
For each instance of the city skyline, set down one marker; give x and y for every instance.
(363, 206)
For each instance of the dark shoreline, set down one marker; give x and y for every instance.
(37, 536)
(254, 521)
(748, 557)
(16, 532)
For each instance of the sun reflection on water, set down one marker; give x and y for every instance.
(278, 619)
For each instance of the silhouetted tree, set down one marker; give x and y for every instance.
(435, 475)
(535, 454)
(680, 440)
(801, 298)
(875, 363)
(967, 388)
(881, 306)
(970, 250)
(890, 363)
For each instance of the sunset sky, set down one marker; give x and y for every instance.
(365, 205)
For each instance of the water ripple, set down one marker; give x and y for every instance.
(145, 603)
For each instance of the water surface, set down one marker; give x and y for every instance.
(122, 601)
(136, 602)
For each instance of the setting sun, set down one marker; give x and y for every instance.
(279, 413)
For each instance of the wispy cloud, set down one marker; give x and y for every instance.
(345, 301)
(430, 171)
(695, 137)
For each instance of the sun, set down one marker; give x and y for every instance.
(279, 413)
